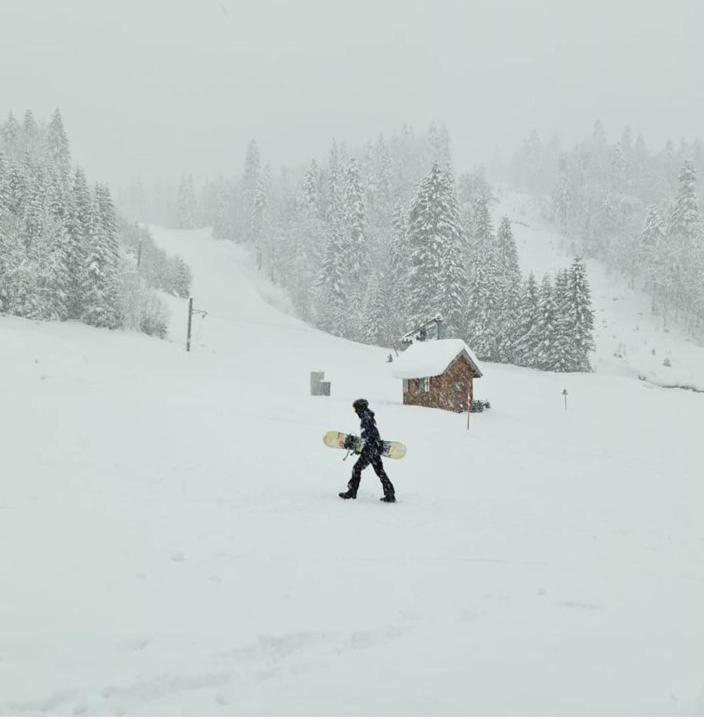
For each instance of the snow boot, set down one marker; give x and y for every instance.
(347, 495)
(387, 498)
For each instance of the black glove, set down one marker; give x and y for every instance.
(349, 442)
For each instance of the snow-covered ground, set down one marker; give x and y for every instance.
(171, 540)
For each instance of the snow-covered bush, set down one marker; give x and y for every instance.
(141, 308)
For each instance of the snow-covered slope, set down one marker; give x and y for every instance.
(629, 338)
(171, 540)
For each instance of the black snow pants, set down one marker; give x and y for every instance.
(366, 459)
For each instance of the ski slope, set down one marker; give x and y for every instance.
(171, 540)
(629, 338)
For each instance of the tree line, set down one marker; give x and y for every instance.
(64, 252)
(372, 241)
(637, 210)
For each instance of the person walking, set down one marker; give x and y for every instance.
(370, 455)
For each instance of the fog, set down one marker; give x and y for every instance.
(160, 88)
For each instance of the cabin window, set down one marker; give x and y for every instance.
(405, 386)
(423, 385)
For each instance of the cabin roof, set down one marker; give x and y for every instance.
(432, 359)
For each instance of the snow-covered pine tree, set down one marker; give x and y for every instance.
(546, 351)
(397, 280)
(562, 197)
(484, 288)
(78, 226)
(312, 189)
(181, 277)
(357, 253)
(650, 250)
(685, 262)
(186, 212)
(334, 309)
(565, 359)
(258, 220)
(305, 247)
(435, 242)
(224, 202)
(58, 151)
(9, 243)
(100, 303)
(508, 292)
(379, 199)
(334, 202)
(581, 316)
(50, 252)
(31, 141)
(375, 317)
(250, 178)
(527, 333)
(11, 136)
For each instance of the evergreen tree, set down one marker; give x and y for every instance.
(30, 136)
(356, 252)
(562, 195)
(565, 358)
(682, 262)
(99, 279)
(374, 329)
(484, 289)
(335, 309)
(435, 242)
(223, 219)
(186, 212)
(397, 280)
(78, 227)
(581, 317)
(257, 222)
(59, 151)
(651, 249)
(250, 179)
(546, 355)
(528, 329)
(312, 189)
(11, 137)
(508, 301)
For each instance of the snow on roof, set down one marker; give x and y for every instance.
(431, 359)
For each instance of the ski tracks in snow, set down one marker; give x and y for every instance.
(224, 688)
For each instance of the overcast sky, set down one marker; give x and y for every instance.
(162, 87)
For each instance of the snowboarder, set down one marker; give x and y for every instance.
(370, 455)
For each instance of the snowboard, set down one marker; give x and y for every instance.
(336, 440)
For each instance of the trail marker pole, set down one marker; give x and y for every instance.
(564, 396)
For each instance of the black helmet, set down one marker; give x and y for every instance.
(360, 405)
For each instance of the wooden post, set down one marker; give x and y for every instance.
(190, 319)
(470, 394)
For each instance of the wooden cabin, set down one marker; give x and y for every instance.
(438, 374)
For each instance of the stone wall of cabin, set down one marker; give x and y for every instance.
(448, 391)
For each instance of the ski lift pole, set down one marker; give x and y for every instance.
(190, 320)
(192, 311)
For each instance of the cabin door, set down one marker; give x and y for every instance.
(460, 400)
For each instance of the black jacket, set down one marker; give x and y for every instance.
(370, 434)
